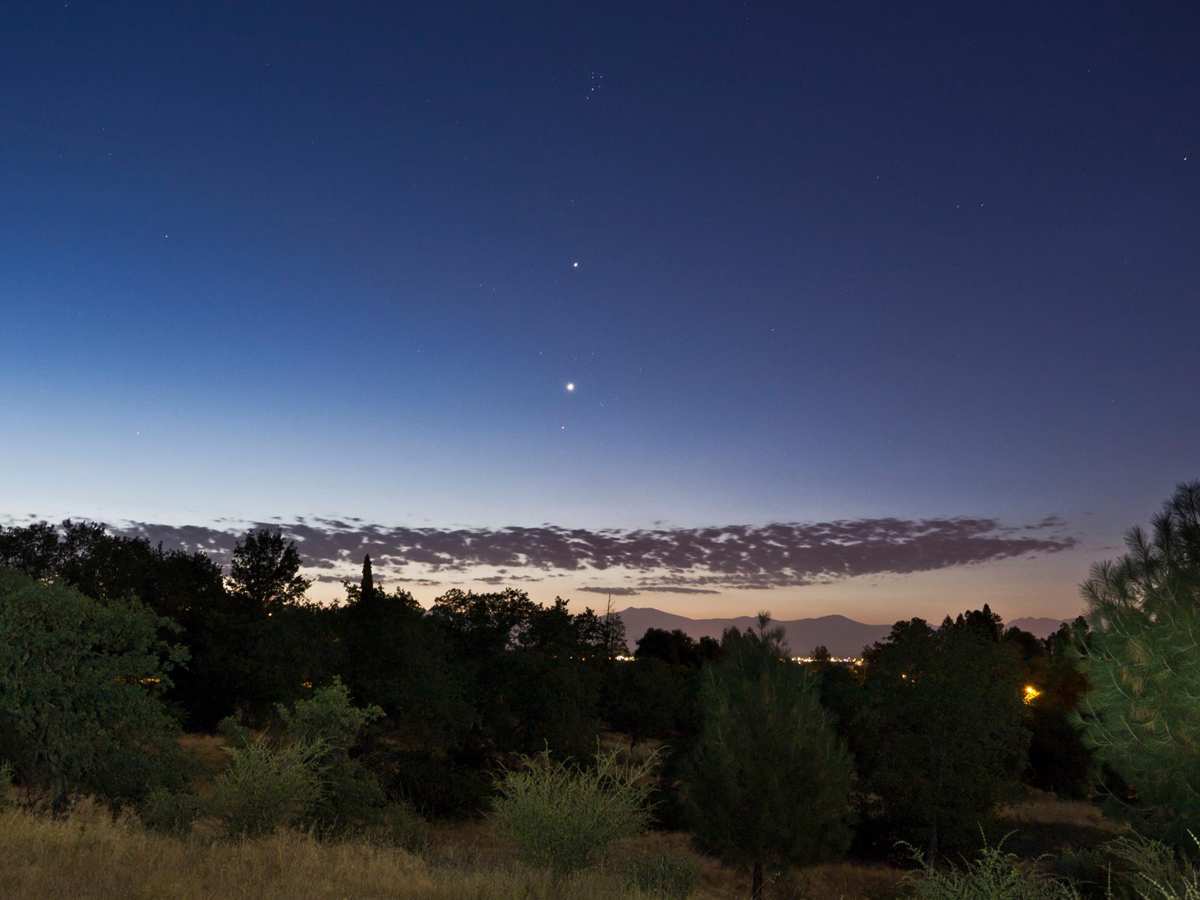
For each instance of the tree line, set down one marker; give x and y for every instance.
(110, 647)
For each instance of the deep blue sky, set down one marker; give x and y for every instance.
(845, 262)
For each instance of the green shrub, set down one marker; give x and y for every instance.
(1152, 870)
(995, 875)
(169, 812)
(402, 826)
(351, 797)
(670, 876)
(6, 779)
(558, 814)
(266, 788)
(438, 786)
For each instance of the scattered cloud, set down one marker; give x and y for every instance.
(666, 560)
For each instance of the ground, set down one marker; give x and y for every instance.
(88, 855)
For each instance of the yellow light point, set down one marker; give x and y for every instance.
(1031, 693)
(306, 684)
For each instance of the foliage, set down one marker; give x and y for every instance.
(400, 825)
(397, 658)
(995, 875)
(671, 876)
(1143, 714)
(264, 573)
(1156, 871)
(768, 781)
(169, 812)
(265, 788)
(6, 780)
(329, 718)
(1058, 759)
(350, 795)
(942, 735)
(99, 858)
(559, 813)
(439, 784)
(644, 698)
(80, 708)
(676, 648)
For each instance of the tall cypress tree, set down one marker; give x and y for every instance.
(367, 588)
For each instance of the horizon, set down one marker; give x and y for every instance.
(817, 311)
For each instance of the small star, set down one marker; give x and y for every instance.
(570, 385)
(574, 265)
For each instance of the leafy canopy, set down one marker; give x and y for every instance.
(80, 707)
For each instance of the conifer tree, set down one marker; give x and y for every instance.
(768, 782)
(1142, 658)
(367, 587)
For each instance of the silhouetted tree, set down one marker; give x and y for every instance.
(644, 698)
(673, 647)
(367, 586)
(942, 732)
(1143, 713)
(265, 571)
(768, 781)
(398, 658)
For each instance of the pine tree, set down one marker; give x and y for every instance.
(941, 734)
(768, 782)
(1142, 658)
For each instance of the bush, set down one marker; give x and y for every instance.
(559, 814)
(6, 778)
(266, 788)
(1155, 871)
(83, 684)
(351, 797)
(670, 876)
(439, 786)
(169, 812)
(994, 876)
(402, 826)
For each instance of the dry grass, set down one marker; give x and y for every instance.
(206, 749)
(89, 857)
(1046, 809)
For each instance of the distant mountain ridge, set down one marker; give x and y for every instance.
(842, 636)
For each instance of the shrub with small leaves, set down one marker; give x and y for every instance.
(666, 875)
(6, 778)
(558, 813)
(400, 825)
(1153, 870)
(995, 875)
(169, 812)
(266, 788)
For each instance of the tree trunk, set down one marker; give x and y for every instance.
(931, 853)
(756, 881)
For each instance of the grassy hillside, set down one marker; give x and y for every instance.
(87, 855)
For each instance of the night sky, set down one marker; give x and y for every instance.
(866, 310)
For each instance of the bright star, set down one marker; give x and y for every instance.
(570, 385)
(574, 265)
